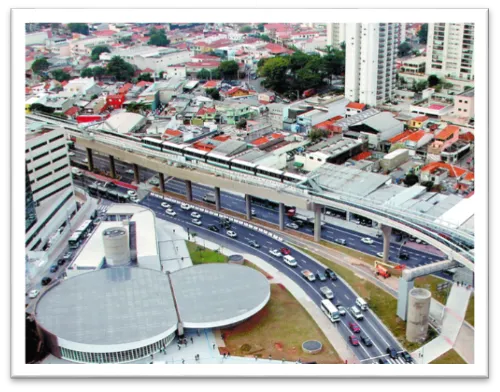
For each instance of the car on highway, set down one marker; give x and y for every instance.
(308, 275)
(46, 281)
(197, 222)
(393, 353)
(366, 340)
(340, 241)
(341, 310)
(292, 225)
(254, 243)
(289, 260)
(275, 252)
(33, 293)
(356, 313)
(380, 254)
(353, 340)
(129, 171)
(61, 261)
(285, 251)
(170, 212)
(134, 199)
(54, 268)
(213, 228)
(195, 215)
(252, 212)
(67, 255)
(383, 361)
(404, 256)
(321, 276)
(407, 357)
(354, 327)
(132, 193)
(154, 181)
(165, 205)
(185, 207)
(327, 292)
(367, 240)
(330, 274)
(231, 234)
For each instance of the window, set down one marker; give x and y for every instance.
(44, 176)
(51, 183)
(466, 101)
(58, 158)
(38, 146)
(60, 168)
(56, 138)
(459, 109)
(460, 100)
(58, 148)
(42, 166)
(41, 156)
(465, 110)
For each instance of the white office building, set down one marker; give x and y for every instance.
(49, 175)
(450, 50)
(371, 50)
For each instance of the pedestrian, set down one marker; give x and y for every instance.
(179, 346)
(283, 360)
(213, 346)
(228, 354)
(191, 339)
(183, 361)
(270, 357)
(256, 357)
(198, 332)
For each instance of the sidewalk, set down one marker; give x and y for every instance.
(173, 252)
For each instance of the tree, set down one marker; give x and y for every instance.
(145, 77)
(245, 29)
(98, 72)
(125, 40)
(317, 134)
(433, 80)
(333, 62)
(205, 74)
(38, 107)
(229, 69)
(160, 75)
(158, 37)
(428, 185)
(298, 60)
(404, 49)
(274, 70)
(120, 69)
(419, 86)
(96, 52)
(213, 93)
(260, 27)
(422, 34)
(242, 123)
(265, 37)
(138, 107)
(87, 73)
(60, 75)
(81, 28)
(40, 65)
(410, 179)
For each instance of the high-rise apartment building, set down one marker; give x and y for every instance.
(335, 34)
(371, 50)
(50, 197)
(450, 50)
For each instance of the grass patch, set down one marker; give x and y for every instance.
(251, 265)
(279, 330)
(450, 357)
(430, 283)
(199, 255)
(469, 314)
(383, 304)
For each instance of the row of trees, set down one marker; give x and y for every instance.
(225, 70)
(157, 37)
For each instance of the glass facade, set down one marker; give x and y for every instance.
(117, 356)
(30, 219)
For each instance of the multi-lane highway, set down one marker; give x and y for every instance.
(370, 325)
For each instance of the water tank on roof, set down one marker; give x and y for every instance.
(116, 246)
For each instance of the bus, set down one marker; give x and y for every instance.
(330, 310)
(79, 235)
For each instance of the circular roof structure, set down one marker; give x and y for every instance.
(216, 295)
(111, 306)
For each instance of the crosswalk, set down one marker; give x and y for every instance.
(397, 361)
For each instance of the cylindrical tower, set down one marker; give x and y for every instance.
(417, 322)
(116, 246)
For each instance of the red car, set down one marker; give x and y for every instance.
(285, 251)
(354, 327)
(354, 340)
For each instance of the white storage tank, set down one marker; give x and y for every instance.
(116, 246)
(417, 322)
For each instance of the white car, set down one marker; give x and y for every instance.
(367, 240)
(71, 154)
(231, 234)
(33, 293)
(170, 212)
(197, 222)
(185, 206)
(132, 193)
(129, 171)
(134, 199)
(195, 215)
(275, 252)
(294, 226)
(380, 254)
(165, 205)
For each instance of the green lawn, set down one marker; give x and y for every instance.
(469, 314)
(200, 255)
(450, 357)
(382, 303)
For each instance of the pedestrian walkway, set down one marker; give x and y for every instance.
(173, 252)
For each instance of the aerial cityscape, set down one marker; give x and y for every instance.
(249, 193)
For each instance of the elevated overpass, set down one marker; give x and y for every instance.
(306, 195)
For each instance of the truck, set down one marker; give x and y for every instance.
(308, 275)
(382, 271)
(209, 198)
(303, 221)
(309, 93)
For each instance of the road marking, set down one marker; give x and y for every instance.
(346, 296)
(381, 337)
(334, 285)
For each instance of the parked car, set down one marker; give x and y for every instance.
(195, 215)
(46, 281)
(292, 225)
(285, 251)
(197, 222)
(231, 234)
(185, 207)
(54, 268)
(321, 276)
(275, 252)
(366, 340)
(254, 243)
(407, 357)
(393, 353)
(354, 327)
(213, 228)
(170, 212)
(33, 293)
(367, 240)
(353, 340)
(340, 241)
(330, 274)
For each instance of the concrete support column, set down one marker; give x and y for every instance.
(248, 207)
(189, 190)
(137, 178)
(217, 198)
(112, 169)
(348, 216)
(161, 176)
(90, 159)
(282, 216)
(404, 288)
(317, 222)
(386, 232)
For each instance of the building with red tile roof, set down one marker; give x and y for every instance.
(71, 112)
(468, 137)
(453, 171)
(222, 138)
(104, 33)
(171, 133)
(354, 108)
(211, 84)
(444, 139)
(277, 49)
(400, 136)
(143, 83)
(125, 88)
(362, 155)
